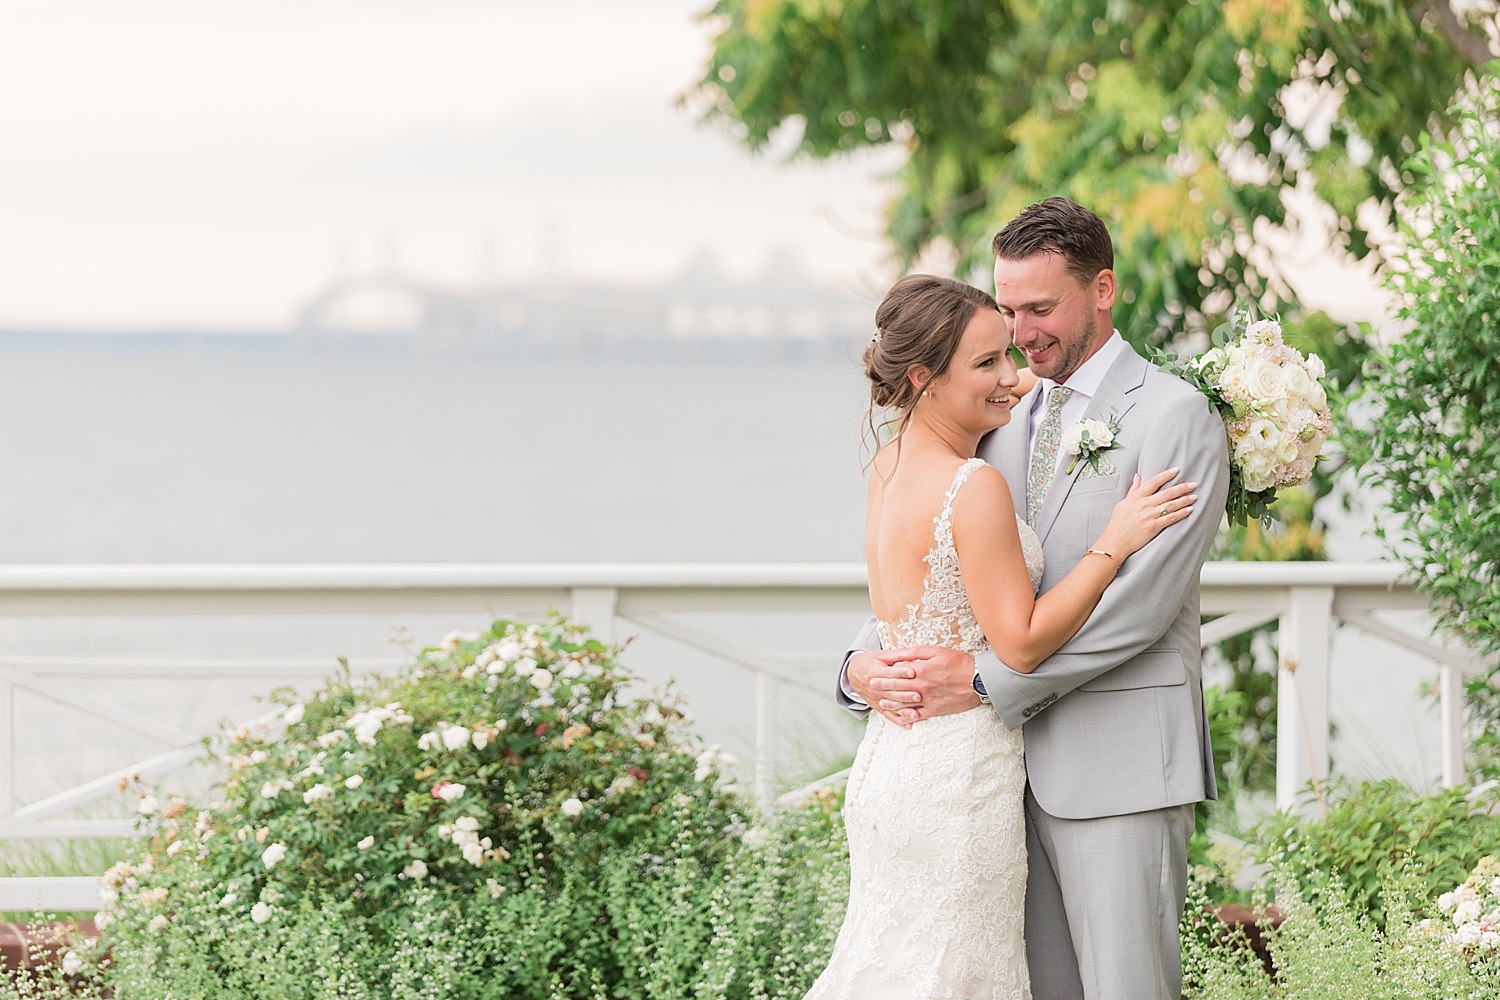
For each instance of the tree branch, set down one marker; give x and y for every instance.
(1473, 49)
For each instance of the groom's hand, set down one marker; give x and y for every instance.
(921, 682)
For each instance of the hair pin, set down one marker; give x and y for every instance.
(875, 338)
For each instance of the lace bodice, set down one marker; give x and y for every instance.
(945, 617)
(937, 831)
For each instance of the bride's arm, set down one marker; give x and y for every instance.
(1022, 630)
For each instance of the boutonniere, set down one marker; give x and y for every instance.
(1088, 440)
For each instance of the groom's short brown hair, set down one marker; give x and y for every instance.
(1065, 228)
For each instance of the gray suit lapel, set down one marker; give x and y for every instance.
(1127, 374)
(1007, 449)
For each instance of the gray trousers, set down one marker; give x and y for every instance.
(1103, 901)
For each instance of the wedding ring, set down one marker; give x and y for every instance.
(1163, 510)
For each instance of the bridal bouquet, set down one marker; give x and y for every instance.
(1274, 404)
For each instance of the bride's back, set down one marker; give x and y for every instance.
(907, 486)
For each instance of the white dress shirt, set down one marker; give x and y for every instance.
(1085, 384)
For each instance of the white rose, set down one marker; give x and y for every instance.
(316, 792)
(72, 965)
(1488, 940)
(271, 789)
(1317, 396)
(366, 844)
(508, 649)
(294, 714)
(417, 869)
(572, 807)
(1315, 367)
(272, 854)
(525, 665)
(1265, 380)
(330, 738)
(1233, 381)
(1468, 935)
(473, 854)
(542, 679)
(455, 737)
(1071, 439)
(1466, 912)
(480, 739)
(429, 741)
(146, 805)
(354, 781)
(103, 919)
(1212, 359)
(468, 824)
(1297, 382)
(451, 792)
(260, 913)
(229, 899)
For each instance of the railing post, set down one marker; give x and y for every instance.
(7, 748)
(1451, 697)
(595, 606)
(765, 743)
(1302, 697)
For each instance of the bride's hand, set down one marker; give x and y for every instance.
(1148, 508)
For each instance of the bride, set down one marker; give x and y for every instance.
(933, 809)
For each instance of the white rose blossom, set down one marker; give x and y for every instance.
(272, 854)
(572, 807)
(366, 844)
(293, 715)
(416, 869)
(354, 781)
(455, 737)
(316, 792)
(260, 913)
(72, 965)
(450, 791)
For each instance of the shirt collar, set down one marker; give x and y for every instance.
(1087, 379)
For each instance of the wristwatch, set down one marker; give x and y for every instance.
(984, 697)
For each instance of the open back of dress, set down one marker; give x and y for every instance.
(937, 833)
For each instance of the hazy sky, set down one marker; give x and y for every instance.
(211, 163)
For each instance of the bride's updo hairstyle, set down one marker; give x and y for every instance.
(919, 324)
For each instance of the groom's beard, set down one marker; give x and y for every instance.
(1071, 353)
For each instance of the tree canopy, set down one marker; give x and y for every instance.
(1179, 121)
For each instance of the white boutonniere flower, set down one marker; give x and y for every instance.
(1087, 440)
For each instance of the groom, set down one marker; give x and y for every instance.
(1117, 749)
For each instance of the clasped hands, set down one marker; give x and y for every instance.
(908, 685)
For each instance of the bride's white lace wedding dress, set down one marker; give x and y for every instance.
(937, 834)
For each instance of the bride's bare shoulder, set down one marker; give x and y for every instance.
(987, 493)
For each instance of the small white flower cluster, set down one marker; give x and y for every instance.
(464, 832)
(367, 722)
(1281, 414)
(1474, 908)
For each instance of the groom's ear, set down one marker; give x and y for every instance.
(1104, 289)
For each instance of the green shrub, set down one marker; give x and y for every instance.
(1330, 949)
(1377, 828)
(1432, 400)
(499, 821)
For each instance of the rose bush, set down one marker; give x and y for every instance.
(500, 820)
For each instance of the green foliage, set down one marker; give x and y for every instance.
(591, 852)
(1377, 828)
(1164, 117)
(1329, 949)
(1433, 398)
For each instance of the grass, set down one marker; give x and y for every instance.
(54, 859)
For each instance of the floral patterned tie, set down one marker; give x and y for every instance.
(1044, 453)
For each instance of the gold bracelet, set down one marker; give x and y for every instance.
(1100, 552)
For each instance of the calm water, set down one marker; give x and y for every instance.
(243, 453)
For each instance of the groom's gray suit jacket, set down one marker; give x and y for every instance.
(1114, 720)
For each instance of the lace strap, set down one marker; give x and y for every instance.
(943, 535)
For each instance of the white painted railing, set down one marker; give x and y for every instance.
(1307, 599)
